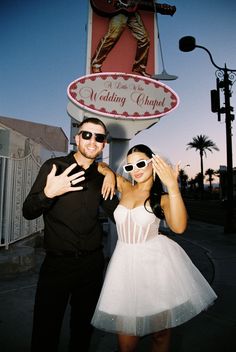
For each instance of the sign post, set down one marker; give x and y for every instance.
(118, 88)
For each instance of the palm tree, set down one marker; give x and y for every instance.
(210, 173)
(202, 144)
(198, 180)
(192, 184)
(183, 177)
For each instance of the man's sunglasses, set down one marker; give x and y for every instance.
(99, 137)
(141, 164)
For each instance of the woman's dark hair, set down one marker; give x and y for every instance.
(157, 188)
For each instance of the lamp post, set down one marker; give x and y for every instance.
(187, 165)
(225, 78)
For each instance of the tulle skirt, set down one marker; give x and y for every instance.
(150, 287)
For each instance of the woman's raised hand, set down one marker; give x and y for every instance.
(167, 174)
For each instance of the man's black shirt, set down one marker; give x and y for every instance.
(71, 220)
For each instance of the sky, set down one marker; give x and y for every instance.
(43, 49)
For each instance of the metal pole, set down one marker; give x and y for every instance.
(187, 44)
(228, 228)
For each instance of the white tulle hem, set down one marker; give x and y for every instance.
(141, 326)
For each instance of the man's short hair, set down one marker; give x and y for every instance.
(95, 121)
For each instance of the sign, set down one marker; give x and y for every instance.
(124, 96)
(119, 58)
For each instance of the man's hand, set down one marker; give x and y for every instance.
(165, 9)
(61, 184)
(108, 186)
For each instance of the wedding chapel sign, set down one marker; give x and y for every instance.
(122, 96)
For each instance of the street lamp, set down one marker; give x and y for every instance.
(187, 165)
(225, 78)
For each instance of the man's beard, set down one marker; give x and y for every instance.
(91, 156)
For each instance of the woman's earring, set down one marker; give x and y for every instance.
(132, 182)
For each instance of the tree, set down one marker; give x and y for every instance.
(210, 173)
(198, 180)
(202, 144)
(192, 184)
(183, 177)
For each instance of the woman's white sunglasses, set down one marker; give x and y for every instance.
(141, 164)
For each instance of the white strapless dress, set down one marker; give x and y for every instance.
(151, 284)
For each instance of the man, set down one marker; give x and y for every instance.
(117, 24)
(73, 267)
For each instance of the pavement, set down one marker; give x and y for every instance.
(214, 330)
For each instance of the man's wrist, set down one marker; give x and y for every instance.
(47, 194)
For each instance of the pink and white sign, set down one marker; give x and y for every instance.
(121, 95)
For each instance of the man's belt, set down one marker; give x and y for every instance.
(72, 254)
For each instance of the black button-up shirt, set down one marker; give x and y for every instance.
(71, 220)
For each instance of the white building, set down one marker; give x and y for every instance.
(19, 138)
(223, 181)
(24, 146)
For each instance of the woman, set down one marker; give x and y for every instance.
(151, 284)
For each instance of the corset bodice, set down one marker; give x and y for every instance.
(135, 225)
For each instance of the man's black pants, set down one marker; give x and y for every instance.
(63, 280)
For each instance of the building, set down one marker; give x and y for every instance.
(223, 182)
(19, 138)
(24, 146)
